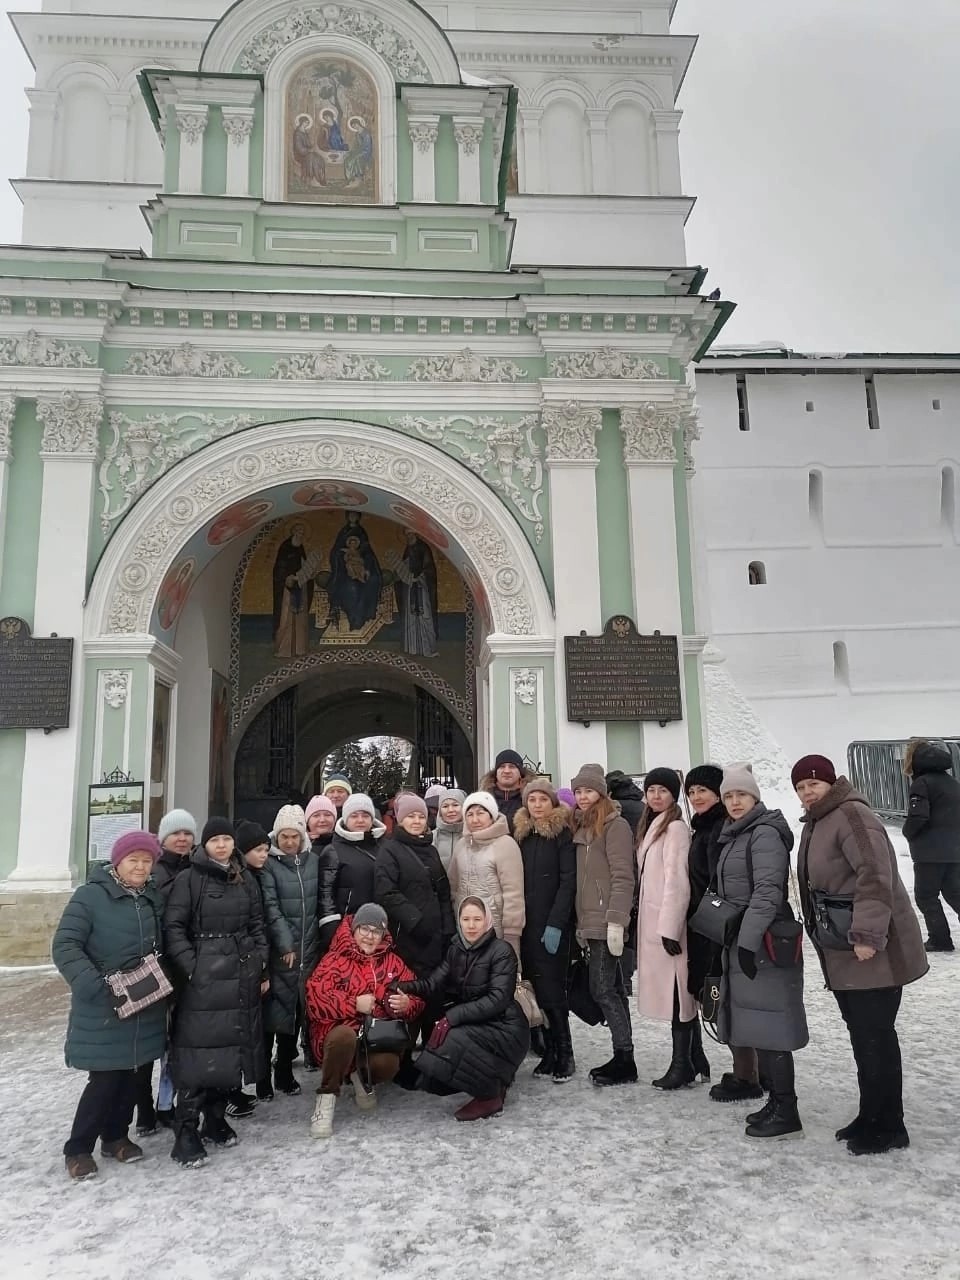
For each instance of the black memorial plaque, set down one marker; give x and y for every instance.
(623, 675)
(34, 678)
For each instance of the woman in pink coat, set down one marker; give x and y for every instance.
(662, 853)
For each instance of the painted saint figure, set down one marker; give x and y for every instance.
(293, 573)
(308, 158)
(417, 597)
(356, 578)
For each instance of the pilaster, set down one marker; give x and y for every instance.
(119, 107)
(192, 125)
(529, 148)
(468, 131)
(8, 409)
(238, 126)
(666, 126)
(597, 130)
(44, 105)
(424, 131)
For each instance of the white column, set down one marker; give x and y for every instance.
(468, 131)
(238, 126)
(650, 454)
(666, 126)
(8, 409)
(191, 124)
(597, 129)
(424, 131)
(571, 456)
(528, 148)
(43, 118)
(119, 104)
(69, 453)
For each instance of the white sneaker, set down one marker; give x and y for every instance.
(366, 1098)
(321, 1122)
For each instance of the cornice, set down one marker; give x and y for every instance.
(43, 34)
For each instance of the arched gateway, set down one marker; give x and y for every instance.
(328, 460)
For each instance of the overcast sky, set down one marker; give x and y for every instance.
(822, 140)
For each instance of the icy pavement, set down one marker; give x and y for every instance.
(570, 1181)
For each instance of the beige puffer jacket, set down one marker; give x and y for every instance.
(487, 864)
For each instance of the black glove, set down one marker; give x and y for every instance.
(748, 962)
(671, 947)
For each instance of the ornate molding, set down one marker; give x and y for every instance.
(43, 353)
(116, 687)
(465, 366)
(691, 434)
(571, 431)
(396, 50)
(70, 425)
(237, 123)
(650, 433)
(504, 454)
(525, 686)
(192, 123)
(469, 135)
(138, 452)
(8, 409)
(329, 365)
(185, 361)
(243, 466)
(604, 362)
(423, 134)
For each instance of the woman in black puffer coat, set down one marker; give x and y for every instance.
(478, 1044)
(217, 945)
(542, 830)
(412, 887)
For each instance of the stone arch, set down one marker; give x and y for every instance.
(561, 88)
(632, 91)
(92, 72)
(252, 32)
(179, 505)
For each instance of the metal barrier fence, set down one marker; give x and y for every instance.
(876, 770)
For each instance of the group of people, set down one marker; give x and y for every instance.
(337, 939)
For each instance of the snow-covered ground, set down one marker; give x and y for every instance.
(570, 1181)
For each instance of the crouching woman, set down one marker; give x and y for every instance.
(351, 981)
(482, 1037)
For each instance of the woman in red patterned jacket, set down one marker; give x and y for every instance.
(352, 980)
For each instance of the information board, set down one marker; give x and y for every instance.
(35, 678)
(622, 675)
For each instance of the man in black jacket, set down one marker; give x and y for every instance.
(932, 830)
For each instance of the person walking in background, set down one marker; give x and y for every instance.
(486, 864)
(846, 856)
(217, 945)
(663, 899)
(505, 782)
(352, 982)
(290, 883)
(622, 788)
(932, 829)
(605, 888)
(449, 826)
(356, 839)
(110, 923)
(542, 830)
(763, 1006)
(702, 786)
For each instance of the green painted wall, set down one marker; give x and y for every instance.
(214, 155)
(695, 726)
(447, 161)
(681, 506)
(13, 743)
(18, 577)
(404, 156)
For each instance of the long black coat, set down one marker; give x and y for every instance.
(290, 885)
(217, 945)
(166, 869)
(356, 859)
(413, 889)
(703, 956)
(932, 827)
(550, 892)
(488, 1037)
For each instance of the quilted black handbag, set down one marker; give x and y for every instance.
(579, 999)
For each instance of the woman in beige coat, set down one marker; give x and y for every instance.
(845, 852)
(486, 864)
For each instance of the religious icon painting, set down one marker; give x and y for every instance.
(421, 523)
(239, 518)
(329, 493)
(331, 136)
(174, 591)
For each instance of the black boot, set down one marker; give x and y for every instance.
(732, 1089)
(938, 944)
(265, 1090)
(147, 1124)
(284, 1080)
(681, 1071)
(782, 1119)
(215, 1128)
(854, 1129)
(564, 1065)
(621, 1069)
(539, 1042)
(764, 1114)
(544, 1068)
(873, 1139)
(188, 1150)
(701, 1063)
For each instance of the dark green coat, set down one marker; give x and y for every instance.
(104, 928)
(290, 884)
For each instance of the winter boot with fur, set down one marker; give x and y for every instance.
(366, 1098)
(564, 1065)
(81, 1167)
(681, 1071)
(621, 1069)
(188, 1151)
(321, 1122)
(122, 1150)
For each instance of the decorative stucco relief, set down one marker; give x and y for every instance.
(571, 431)
(650, 433)
(8, 409)
(525, 686)
(329, 364)
(397, 51)
(465, 366)
(70, 425)
(35, 349)
(185, 361)
(604, 362)
(116, 686)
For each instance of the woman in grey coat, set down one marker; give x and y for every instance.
(763, 1002)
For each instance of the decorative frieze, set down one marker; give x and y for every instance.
(691, 434)
(185, 361)
(116, 687)
(70, 424)
(571, 432)
(40, 352)
(400, 53)
(604, 362)
(465, 366)
(650, 433)
(8, 409)
(329, 365)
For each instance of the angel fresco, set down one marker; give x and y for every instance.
(332, 114)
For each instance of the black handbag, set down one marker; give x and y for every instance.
(385, 1035)
(783, 942)
(831, 919)
(579, 998)
(715, 917)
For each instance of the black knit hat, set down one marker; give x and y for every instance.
(704, 775)
(250, 835)
(216, 827)
(509, 757)
(668, 778)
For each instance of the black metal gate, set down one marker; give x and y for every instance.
(435, 741)
(264, 772)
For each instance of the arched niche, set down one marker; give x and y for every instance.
(328, 60)
(563, 141)
(630, 143)
(84, 130)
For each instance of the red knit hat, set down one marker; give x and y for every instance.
(134, 842)
(819, 768)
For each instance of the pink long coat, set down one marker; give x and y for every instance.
(664, 898)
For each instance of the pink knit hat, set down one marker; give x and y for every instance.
(319, 804)
(134, 842)
(407, 803)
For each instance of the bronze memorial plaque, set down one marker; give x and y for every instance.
(34, 678)
(623, 675)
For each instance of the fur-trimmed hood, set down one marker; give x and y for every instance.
(556, 821)
(489, 782)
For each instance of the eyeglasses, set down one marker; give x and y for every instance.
(370, 930)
